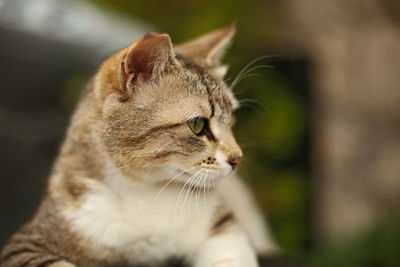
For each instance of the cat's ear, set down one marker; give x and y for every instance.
(208, 49)
(147, 59)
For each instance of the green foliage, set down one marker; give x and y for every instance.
(186, 19)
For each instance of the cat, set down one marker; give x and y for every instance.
(146, 171)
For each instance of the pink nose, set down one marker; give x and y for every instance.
(234, 162)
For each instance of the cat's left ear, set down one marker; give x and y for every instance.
(208, 49)
(147, 59)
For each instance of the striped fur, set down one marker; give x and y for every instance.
(132, 184)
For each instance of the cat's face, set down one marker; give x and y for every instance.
(170, 112)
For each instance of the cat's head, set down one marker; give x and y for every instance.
(168, 108)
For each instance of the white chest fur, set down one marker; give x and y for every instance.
(136, 221)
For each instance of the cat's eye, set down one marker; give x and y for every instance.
(197, 125)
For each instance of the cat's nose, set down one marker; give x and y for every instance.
(235, 161)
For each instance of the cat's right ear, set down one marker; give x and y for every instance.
(208, 49)
(146, 60)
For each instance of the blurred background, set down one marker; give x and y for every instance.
(320, 127)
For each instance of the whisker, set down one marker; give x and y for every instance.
(205, 186)
(251, 103)
(189, 193)
(248, 68)
(184, 189)
(198, 192)
(187, 181)
(171, 180)
(145, 179)
(213, 183)
(248, 65)
(209, 185)
(193, 188)
(247, 74)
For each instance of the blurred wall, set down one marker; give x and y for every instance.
(354, 47)
(33, 117)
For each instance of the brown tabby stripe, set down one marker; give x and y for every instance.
(28, 258)
(212, 108)
(28, 253)
(222, 222)
(153, 131)
(42, 261)
(166, 154)
(201, 74)
(48, 263)
(209, 133)
(16, 252)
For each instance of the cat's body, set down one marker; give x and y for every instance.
(133, 183)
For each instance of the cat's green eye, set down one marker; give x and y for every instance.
(197, 125)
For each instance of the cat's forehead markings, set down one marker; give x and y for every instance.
(214, 91)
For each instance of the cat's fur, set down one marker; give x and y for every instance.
(108, 202)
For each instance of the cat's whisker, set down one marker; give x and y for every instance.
(184, 196)
(183, 190)
(194, 190)
(240, 77)
(249, 100)
(189, 192)
(213, 183)
(227, 79)
(205, 186)
(199, 188)
(244, 69)
(184, 187)
(246, 75)
(145, 178)
(181, 193)
(247, 69)
(171, 180)
(248, 65)
(224, 81)
(249, 103)
(257, 67)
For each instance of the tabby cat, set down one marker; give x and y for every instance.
(145, 173)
